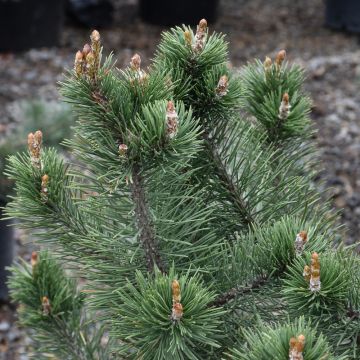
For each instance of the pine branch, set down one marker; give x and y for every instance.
(273, 94)
(52, 306)
(147, 232)
(235, 292)
(228, 182)
(72, 341)
(273, 249)
(222, 198)
(274, 343)
(151, 328)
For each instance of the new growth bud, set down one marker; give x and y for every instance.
(307, 273)
(34, 260)
(44, 187)
(123, 150)
(34, 146)
(87, 61)
(267, 64)
(177, 309)
(188, 38)
(96, 50)
(203, 25)
(177, 312)
(267, 67)
(292, 343)
(280, 57)
(135, 62)
(45, 304)
(135, 65)
(176, 293)
(300, 241)
(78, 65)
(95, 37)
(90, 66)
(284, 109)
(312, 273)
(296, 348)
(200, 36)
(86, 50)
(222, 86)
(171, 120)
(315, 284)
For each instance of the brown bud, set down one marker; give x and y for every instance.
(34, 147)
(79, 55)
(176, 293)
(315, 283)
(34, 259)
(46, 308)
(95, 36)
(170, 106)
(300, 343)
(188, 37)
(96, 49)
(135, 62)
(86, 50)
(315, 263)
(200, 36)
(38, 137)
(139, 76)
(292, 343)
(307, 273)
(45, 179)
(177, 312)
(223, 80)
(171, 120)
(91, 66)
(123, 149)
(90, 57)
(44, 186)
(285, 99)
(79, 58)
(315, 256)
(267, 63)
(280, 57)
(203, 24)
(284, 111)
(222, 87)
(30, 141)
(315, 273)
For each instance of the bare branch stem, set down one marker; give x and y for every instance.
(143, 218)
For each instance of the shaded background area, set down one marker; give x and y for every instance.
(254, 28)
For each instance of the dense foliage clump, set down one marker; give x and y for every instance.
(190, 211)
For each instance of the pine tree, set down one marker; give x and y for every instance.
(191, 212)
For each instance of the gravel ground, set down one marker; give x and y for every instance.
(255, 28)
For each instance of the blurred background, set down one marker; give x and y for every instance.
(39, 38)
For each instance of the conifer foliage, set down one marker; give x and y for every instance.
(189, 211)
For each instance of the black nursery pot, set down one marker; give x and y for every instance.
(343, 15)
(6, 253)
(170, 13)
(26, 24)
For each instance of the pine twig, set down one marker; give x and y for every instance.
(147, 233)
(237, 291)
(228, 183)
